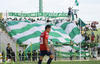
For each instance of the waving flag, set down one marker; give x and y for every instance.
(76, 2)
(72, 30)
(29, 33)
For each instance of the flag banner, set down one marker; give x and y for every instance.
(26, 33)
(37, 14)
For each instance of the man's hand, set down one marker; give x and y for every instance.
(48, 49)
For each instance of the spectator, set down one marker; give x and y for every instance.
(3, 56)
(94, 52)
(56, 22)
(13, 55)
(55, 55)
(69, 11)
(92, 38)
(93, 26)
(98, 38)
(23, 56)
(92, 32)
(33, 20)
(88, 39)
(86, 28)
(20, 19)
(71, 56)
(8, 49)
(48, 20)
(34, 55)
(29, 55)
(20, 55)
(38, 19)
(82, 32)
(77, 56)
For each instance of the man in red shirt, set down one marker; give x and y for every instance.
(44, 48)
(92, 38)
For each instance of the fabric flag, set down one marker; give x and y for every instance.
(29, 33)
(72, 30)
(77, 3)
(67, 51)
(81, 23)
(26, 33)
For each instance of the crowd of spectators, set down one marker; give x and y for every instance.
(28, 55)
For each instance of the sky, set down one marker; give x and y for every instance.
(89, 10)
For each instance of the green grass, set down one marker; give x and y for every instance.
(61, 62)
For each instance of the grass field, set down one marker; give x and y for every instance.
(60, 62)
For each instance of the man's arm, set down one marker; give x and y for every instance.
(46, 43)
(45, 38)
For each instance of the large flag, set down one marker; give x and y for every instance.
(29, 33)
(76, 2)
(72, 30)
(26, 33)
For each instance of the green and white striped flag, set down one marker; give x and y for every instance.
(29, 33)
(72, 30)
(68, 51)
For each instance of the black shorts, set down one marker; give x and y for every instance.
(43, 53)
(8, 56)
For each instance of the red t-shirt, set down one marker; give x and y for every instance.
(92, 38)
(43, 36)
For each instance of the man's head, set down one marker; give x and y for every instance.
(48, 28)
(19, 50)
(8, 44)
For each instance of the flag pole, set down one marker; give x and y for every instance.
(31, 52)
(77, 4)
(0, 38)
(80, 50)
(6, 15)
(80, 42)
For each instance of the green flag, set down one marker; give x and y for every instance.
(81, 23)
(77, 3)
(72, 17)
(72, 30)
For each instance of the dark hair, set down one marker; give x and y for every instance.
(47, 26)
(8, 44)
